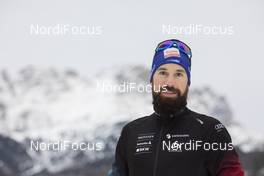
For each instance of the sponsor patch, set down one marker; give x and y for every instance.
(144, 143)
(171, 52)
(219, 127)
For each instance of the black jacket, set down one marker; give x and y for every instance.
(185, 144)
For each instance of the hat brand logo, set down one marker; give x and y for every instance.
(171, 52)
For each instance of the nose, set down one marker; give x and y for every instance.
(170, 81)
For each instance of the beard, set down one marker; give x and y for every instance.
(168, 106)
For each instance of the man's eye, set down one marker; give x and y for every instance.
(179, 74)
(162, 73)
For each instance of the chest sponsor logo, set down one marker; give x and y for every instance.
(172, 144)
(144, 143)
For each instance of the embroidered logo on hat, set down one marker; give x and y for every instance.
(171, 52)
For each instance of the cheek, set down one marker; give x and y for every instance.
(157, 84)
(183, 85)
(155, 87)
(182, 89)
(184, 81)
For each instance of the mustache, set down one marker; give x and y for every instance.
(171, 89)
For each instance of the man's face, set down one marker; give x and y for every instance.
(169, 88)
(172, 76)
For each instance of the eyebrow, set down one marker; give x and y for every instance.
(164, 69)
(161, 68)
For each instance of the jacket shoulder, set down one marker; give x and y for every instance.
(212, 126)
(207, 121)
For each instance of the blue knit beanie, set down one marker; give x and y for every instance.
(171, 55)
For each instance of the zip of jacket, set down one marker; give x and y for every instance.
(157, 151)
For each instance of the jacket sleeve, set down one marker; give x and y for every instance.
(120, 166)
(224, 161)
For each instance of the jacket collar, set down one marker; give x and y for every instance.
(169, 117)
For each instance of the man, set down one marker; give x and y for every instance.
(174, 140)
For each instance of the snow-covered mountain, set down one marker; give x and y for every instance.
(50, 105)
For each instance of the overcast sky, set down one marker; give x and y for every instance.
(126, 32)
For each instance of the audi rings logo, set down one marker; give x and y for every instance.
(219, 127)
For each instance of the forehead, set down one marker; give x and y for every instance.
(171, 67)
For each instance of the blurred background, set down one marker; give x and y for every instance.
(62, 63)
